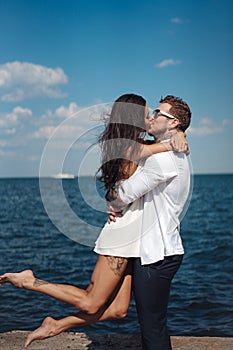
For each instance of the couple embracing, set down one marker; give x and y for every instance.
(147, 187)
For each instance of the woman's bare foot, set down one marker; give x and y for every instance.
(21, 279)
(46, 330)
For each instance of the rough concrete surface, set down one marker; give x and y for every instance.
(14, 340)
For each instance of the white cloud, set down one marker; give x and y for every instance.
(44, 132)
(50, 117)
(10, 120)
(22, 112)
(19, 122)
(10, 131)
(206, 122)
(65, 112)
(85, 117)
(167, 62)
(33, 158)
(176, 20)
(227, 122)
(62, 132)
(206, 126)
(3, 143)
(7, 153)
(5, 147)
(204, 131)
(68, 128)
(21, 80)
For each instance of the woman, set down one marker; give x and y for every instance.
(109, 291)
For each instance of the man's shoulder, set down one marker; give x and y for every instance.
(161, 157)
(169, 155)
(160, 162)
(170, 161)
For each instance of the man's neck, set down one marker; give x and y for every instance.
(163, 137)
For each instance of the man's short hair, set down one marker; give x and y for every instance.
(179, 109)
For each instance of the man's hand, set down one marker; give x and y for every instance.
(114, 200)
(112, 214)
(111, 195)
(179, 142)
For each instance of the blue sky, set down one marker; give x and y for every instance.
(58, 57)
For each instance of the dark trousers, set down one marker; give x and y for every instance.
(151, 287)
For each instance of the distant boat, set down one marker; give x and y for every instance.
(63, 176)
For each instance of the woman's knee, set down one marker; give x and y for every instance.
(91, 307)
(118, 312)
(114, 312)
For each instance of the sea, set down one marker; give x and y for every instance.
(201, 301)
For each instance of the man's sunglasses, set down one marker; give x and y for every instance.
(157, 112)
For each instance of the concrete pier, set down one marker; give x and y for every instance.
(14, 340)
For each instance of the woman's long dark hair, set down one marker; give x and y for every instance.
(119, 140)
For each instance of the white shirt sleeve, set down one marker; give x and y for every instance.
(157, 169)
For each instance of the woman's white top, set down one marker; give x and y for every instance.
(122, 238)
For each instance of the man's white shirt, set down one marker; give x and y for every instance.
(163, 184)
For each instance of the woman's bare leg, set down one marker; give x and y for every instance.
(106, 276)
(117, 309)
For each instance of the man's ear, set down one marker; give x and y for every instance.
(174, 123)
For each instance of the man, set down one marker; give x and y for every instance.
(163, 184)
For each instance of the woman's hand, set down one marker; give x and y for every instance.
(179, 142)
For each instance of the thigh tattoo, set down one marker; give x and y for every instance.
(117, 264)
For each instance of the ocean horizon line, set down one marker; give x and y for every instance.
(89, 175)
